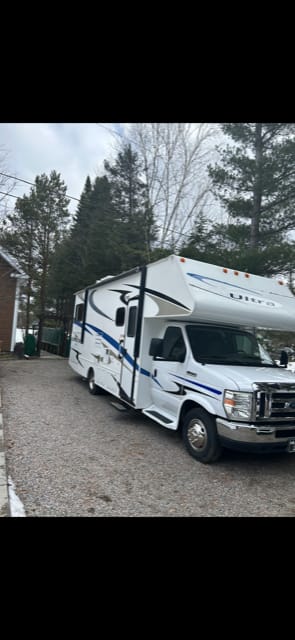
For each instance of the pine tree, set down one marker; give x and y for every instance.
(33, 233)
(19, 237)
(135, 226)
(80, 232)
(103, 243)
(255, 181)
(225, 245)
(81, 216)
(90, 252)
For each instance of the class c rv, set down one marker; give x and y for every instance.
(177, 341)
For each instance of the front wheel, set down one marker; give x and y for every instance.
(200, 436)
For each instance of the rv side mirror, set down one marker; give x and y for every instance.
(284, 358)
(156, 347)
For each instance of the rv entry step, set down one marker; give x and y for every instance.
(119, 407)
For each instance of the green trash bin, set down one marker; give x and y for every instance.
(67, 347)
(29, 345)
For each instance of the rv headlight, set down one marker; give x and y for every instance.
(238, 405)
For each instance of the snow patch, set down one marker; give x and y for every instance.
(16, 506)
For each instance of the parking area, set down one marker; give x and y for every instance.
(72, 454)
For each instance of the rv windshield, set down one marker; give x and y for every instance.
(227, 345)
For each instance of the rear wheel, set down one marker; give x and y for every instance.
(200, 436)
(92, 387)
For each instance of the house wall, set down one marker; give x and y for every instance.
(7, 300)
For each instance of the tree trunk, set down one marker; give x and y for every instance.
(254, 238)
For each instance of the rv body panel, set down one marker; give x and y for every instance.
(117, 318)
(105, 346)
(240, 298)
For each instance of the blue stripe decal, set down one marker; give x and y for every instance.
(80, 324)
(198, 384)
(104, 335)
(197, 276)
(205, 280)
(117, 346)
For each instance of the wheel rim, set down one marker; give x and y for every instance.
(197, 435)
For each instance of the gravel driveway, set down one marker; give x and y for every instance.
(72, 454)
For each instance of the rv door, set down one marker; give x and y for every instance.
(132, 338)
(128, 360)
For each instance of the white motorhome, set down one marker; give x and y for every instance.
(176, 340)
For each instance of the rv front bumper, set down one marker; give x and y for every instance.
(256, 437)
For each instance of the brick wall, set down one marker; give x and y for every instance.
(7, 298)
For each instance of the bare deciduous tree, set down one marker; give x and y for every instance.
(174, 158)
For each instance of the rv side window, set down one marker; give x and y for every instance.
(173, 345)
(120, 316)
(131, 322)
(79, 312)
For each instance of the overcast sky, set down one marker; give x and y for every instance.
(74, 150)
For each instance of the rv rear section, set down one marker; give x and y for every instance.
(177, 340)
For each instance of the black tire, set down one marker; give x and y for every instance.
(92, 387)
(200, 436)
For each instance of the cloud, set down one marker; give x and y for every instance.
(74, 150)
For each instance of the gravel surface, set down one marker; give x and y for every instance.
(73, 454)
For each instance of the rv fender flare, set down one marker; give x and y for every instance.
(190, 403)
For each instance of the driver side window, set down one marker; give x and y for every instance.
(174, 348)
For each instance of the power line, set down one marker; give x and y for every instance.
(27, 182)
(9, 194)
(174, 232)
(14, 177)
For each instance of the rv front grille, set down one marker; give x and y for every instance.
(275, 402)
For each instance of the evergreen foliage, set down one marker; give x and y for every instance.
(255, 179)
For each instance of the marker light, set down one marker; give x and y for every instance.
(281, 279)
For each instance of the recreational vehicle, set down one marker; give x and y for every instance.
(177, 340)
